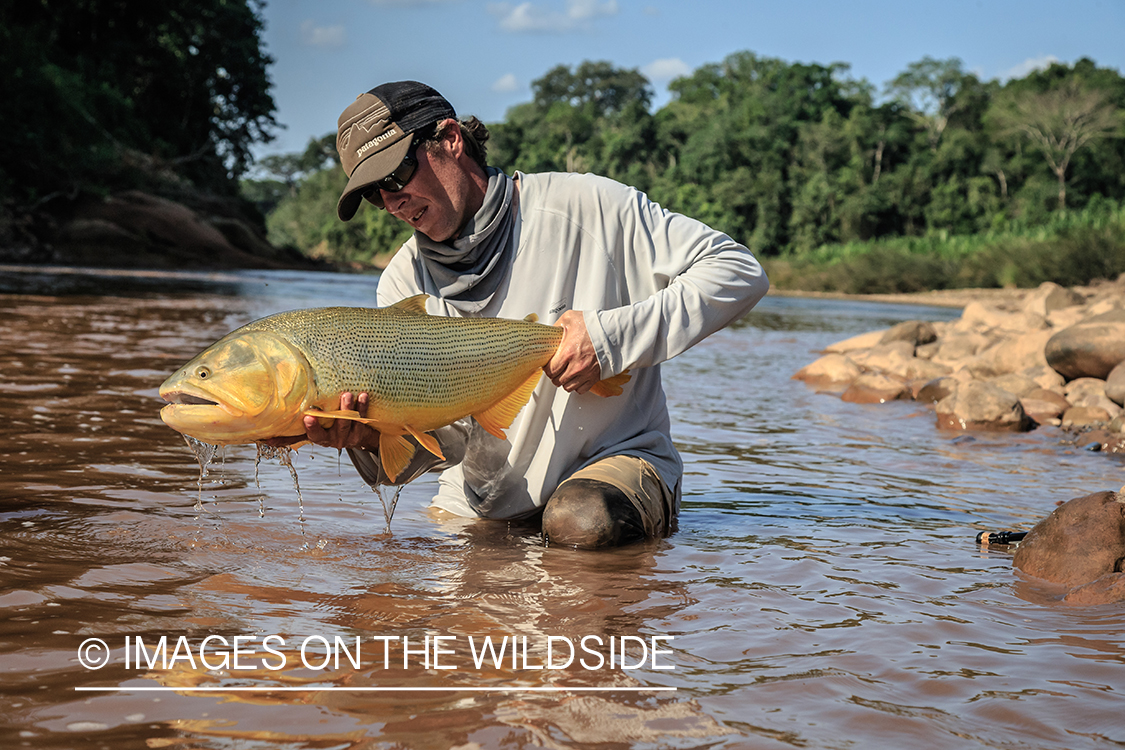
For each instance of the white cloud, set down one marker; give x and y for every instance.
(665, 69)
(506, 84)
(1032, 63)
(539, 17)
(322, 36)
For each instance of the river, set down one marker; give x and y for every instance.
(824, 589)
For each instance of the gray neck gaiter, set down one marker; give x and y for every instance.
(468, 271)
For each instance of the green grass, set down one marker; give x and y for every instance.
(1072, 248)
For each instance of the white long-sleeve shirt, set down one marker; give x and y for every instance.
(650, 283)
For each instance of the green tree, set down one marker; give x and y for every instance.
(1058, 123)
(108, 93)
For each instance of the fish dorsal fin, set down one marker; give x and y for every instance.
(415, 304)
(531, 318)
(498, 417)
(611, 386)
(395, 452)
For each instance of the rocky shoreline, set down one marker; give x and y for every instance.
(1016, 359)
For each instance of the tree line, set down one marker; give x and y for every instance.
(786, 157)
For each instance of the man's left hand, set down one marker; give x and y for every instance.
(574, 368)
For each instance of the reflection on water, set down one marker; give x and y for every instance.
(823, 590)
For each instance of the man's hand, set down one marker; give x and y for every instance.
(574, 368)
(342, 433)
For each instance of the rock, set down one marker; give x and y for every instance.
(935, 390)
(980, 318)
(978, 405)
(884, 357)
(1044, 406)
(1050, 297)
(1083, 416)
(927, 351)
(1080, 542)
(921, 369)
(1015, 382)
(1045, 377)
(1090, 392)
(1115, 384)
(917, 332)
(862, 341)
(1012, 354)
(1066, 317)
(832, 372)
(1091, 348)
(955, 347)
(874, 388)
(1108, 588)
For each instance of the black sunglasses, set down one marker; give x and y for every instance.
(396, 180)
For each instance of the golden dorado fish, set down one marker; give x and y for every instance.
(421, 372)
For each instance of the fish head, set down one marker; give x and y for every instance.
(245, 387)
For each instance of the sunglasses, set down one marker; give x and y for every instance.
(396, 180)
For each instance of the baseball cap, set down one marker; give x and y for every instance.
(375, 131)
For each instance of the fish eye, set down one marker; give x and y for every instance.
(203, 373)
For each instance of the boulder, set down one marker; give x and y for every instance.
(884, 357)
(1050, 297)
(981, 318)
(977, 405)
(956, 347)
(917, 332)
(1115, 384)
(1045, 377)
(1015, 382)
(1012, 354)
(935, 390)
(875, 388)
(1083, 416)
(1044, 406)
(1091, 348)
(1080, 542)
(862, 341)
(832, 372)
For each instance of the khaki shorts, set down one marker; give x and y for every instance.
(635, 477)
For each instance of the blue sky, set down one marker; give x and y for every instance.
(483, 55)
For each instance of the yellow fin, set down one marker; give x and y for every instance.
(427, 441)
(415, 304)
(531, 318)
(338, 414)
(395, 452)
(611, 386)
(498, 417)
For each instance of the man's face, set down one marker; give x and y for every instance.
(439, 199)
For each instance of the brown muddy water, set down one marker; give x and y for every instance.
(824, 589)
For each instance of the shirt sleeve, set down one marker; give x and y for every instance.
(688, 281)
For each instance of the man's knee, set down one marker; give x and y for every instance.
(589, 514)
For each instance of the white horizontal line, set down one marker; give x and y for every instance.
(292, 689)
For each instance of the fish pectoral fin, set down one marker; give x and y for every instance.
(611, 386)
(415, 304)
(427, 441)
(498, 417)
(395, 452)
(348, 414)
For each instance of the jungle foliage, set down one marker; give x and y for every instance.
(797, 158)
(102, 95)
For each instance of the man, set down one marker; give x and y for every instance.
(630, 284)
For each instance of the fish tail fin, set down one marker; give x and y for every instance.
(611, 386)
(498, 417)
(395, 452)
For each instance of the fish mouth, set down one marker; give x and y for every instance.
(186, 399)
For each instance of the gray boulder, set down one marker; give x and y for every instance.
(977, 405)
